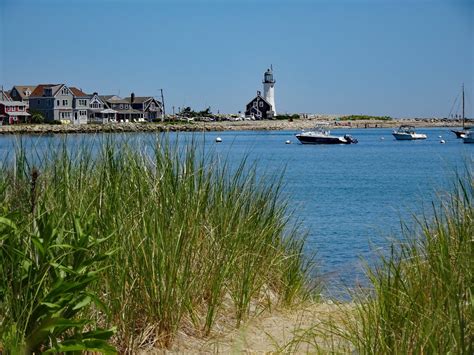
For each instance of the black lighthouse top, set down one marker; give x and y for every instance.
(268, 77)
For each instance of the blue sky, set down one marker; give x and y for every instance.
(399, 58)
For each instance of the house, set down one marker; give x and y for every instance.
(151, 108)
(123, 108)
(12, 112)
(259, 108)
(80, 105)
(99, 112)
(22, 93)
(58, 102)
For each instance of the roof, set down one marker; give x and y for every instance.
(108, 97)
(5, 95)
(77, 92)
(128, 111)
(38, 92)
(108, 110)
(12, 103)
(119, 101)
(21, 89)
(139, 99)
(16, 113)
(261, 98)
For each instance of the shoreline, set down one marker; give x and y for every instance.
(264, 125)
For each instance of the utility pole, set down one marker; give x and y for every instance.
(163, 106)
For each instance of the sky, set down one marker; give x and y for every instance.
(388, 57)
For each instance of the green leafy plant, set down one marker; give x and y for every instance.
(46, 277)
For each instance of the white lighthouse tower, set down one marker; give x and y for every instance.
(269, 90)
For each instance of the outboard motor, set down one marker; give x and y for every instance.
(350, 139)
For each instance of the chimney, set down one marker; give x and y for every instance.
(132, 98)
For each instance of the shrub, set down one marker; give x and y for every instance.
(37, 117)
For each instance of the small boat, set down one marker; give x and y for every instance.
(465, 130)
(468, 137)
(407, 133)
(321, 135)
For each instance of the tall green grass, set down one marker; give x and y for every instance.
(422, 300)
(189, 239)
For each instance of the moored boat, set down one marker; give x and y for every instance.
(321, 135)
(468, 137)
(460, 133)
(407, 133)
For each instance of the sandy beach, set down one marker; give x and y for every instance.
(295, 125)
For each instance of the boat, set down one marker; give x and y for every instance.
(465, 130)
(468, 137)
(407, 133)
(321, 135)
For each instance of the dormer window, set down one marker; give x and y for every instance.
(48, 92)
(27, 93)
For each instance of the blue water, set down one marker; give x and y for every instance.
(350, 198)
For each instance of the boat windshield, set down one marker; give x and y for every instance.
(408, 129)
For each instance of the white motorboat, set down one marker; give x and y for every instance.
(407, 133)
(321, 135)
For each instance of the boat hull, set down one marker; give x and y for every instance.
(459, 134)
(468, 138)
(408, 137)
(321, 140)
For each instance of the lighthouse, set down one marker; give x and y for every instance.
(269, 90)
(263, 106)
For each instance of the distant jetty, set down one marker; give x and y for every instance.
(196, 126)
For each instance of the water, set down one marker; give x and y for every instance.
(350, 198)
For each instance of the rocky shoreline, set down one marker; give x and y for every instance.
(295, 125)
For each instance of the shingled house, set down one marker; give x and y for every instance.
(22, 93)
(59, 102)
(150, 107)
(259, 108)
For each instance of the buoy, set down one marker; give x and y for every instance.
(439, 136)
(442, 141)
(382, 138)
(218, 140)
(288, 142)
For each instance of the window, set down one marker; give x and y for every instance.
(255, 104)
(65, 102)
(64, 91)
(121, 106)
(57, 102)
(260, 104)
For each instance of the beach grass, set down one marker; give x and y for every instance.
(421, 299)
(185, 238)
